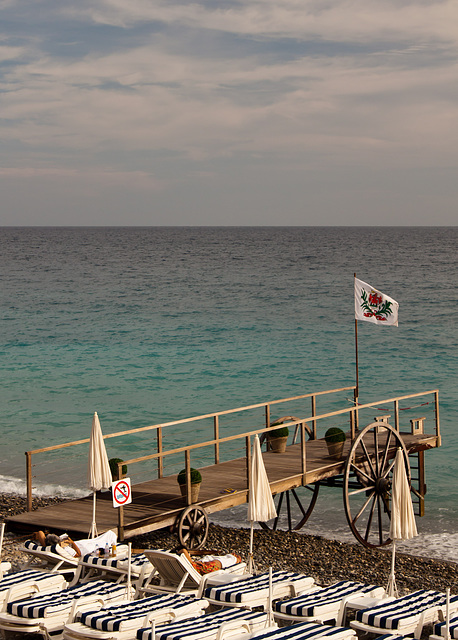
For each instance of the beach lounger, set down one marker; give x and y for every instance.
(48, 613)
(177, 575)
(115, 568)
(404, 615)
(302, 631)
(121, 622)
(440, 629)
(254, 591)
(207, 627)
(62, 559)
(23, 584)
(50, 558)
(326, 604)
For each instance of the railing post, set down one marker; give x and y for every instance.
(28, 474)
(160, 460)
(303, 455)
(216, 437)
(396, 415)
(187, 464)
(436, 411)
(267, 410)
(314, 414)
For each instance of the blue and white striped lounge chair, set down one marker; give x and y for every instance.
(113, 568)
(122, 621)
(440, 629)
(406, 615)
(50, 558)
(177, 575)
(302, 631)
(254, 591)
(48, 613)
(22, 584)
(208, 627)
(324, 605)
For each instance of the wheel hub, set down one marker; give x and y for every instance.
(382, 486)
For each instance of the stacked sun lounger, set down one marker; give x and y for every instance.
(28, 582)
(207, 627)
(325, 604)
(404, 615)
(302, 631)
(113, 567)
(440, 629)
(122, 621)
(254, 591)
(47, 613)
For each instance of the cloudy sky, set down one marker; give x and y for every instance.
(226, 112)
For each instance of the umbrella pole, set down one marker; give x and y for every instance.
(391, 588)
(250, 554)
(93, 531)
(270, 598)
(447, 613)
(129, 580)
(2, 529)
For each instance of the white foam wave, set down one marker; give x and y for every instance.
(9, 484)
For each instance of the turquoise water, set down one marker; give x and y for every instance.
(147, 325)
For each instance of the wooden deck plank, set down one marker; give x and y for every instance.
(157, 503)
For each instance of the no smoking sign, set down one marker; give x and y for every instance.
(121, 492)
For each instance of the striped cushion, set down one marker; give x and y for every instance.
(406, 610)
(57, 603)
(324, 600)
(130, 615)
(204, 627)
(32, 575)
(439, 628)
(304, 631)
(240, 591)
(33, 546)
(138, 561)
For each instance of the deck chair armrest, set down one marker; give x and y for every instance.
(83, 602)
(21, 591)
(151, 615)
(236, 625)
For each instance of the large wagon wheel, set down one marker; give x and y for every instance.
(192, 526)
(367, 483)
(306, 503)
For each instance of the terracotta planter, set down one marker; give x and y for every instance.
(195, 488)
(278, 445)
(335, 449)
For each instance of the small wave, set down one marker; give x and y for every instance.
(9, 484)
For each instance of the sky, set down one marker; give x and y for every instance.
(226, 112)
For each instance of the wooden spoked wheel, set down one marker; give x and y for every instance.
(192, 527)
(305, 502)
(367, 483)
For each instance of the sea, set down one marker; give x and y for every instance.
(147, 325)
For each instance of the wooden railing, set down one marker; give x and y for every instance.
(307, 426)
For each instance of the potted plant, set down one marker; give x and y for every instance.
(196, 479)
(113, 462)
(335, 439)
(277, 438)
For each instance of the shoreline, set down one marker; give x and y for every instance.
(326, 560)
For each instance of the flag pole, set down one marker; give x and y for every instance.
(356, 391)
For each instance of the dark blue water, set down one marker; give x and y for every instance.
(147, 325)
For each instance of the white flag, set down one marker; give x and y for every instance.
(374, 306)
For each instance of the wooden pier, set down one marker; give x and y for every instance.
(157, 503)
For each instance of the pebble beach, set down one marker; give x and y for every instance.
(325, 560)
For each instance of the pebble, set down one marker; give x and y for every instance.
(327, 561)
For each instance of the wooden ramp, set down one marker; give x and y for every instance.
(157, 503)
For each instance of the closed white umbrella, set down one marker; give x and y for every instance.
(98, 469)
(261, 505)
(403, 525)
